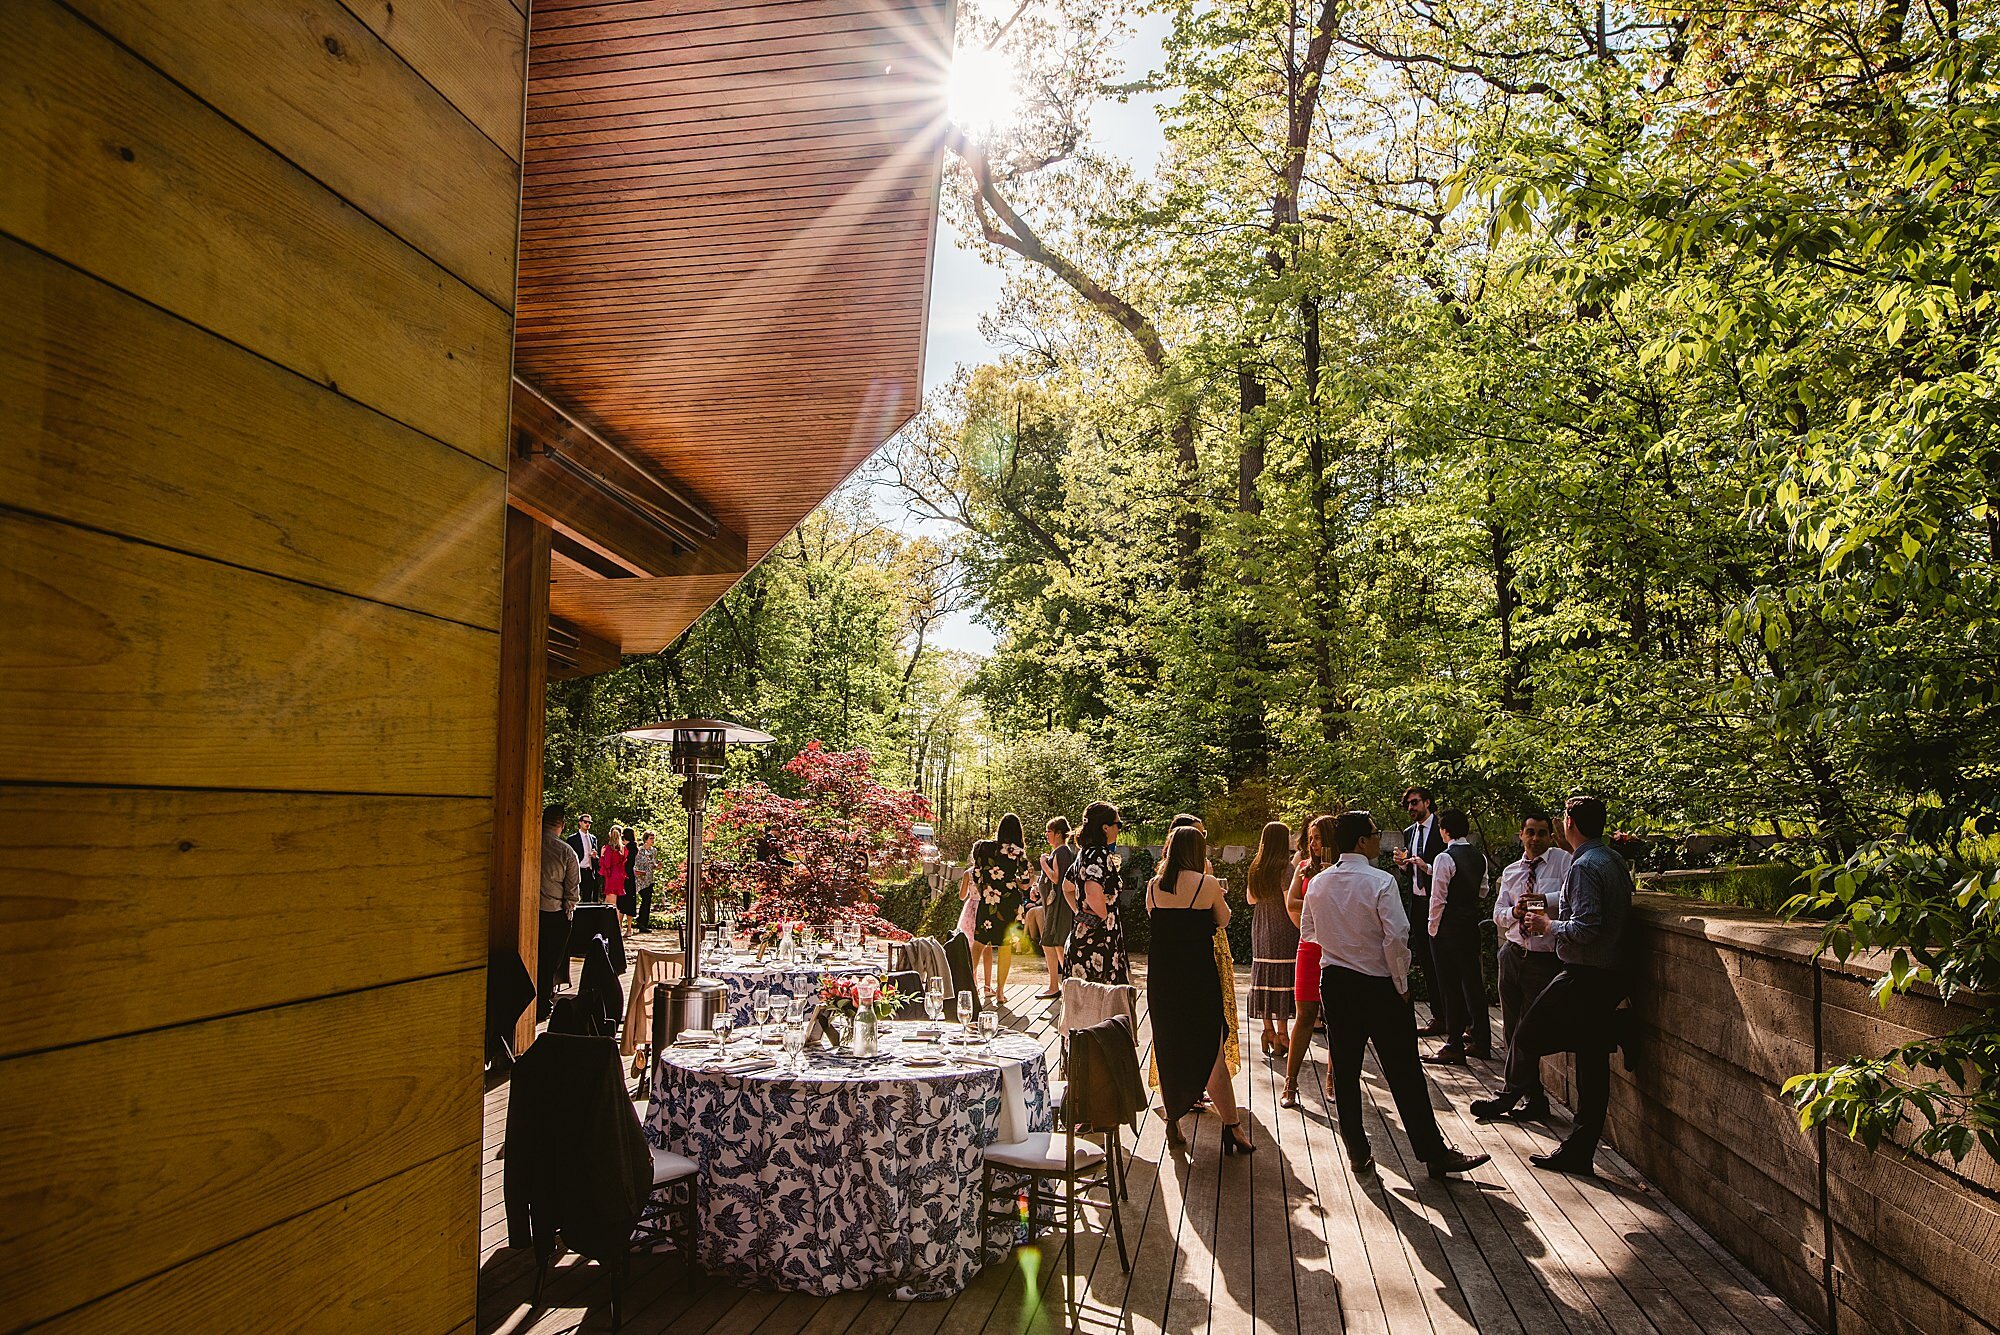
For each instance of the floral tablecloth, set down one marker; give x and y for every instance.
(745, 974)
(852, 1173)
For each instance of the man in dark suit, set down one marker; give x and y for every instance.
(585, 844)
(1423, 840)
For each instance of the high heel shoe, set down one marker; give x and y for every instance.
(1233, 1140)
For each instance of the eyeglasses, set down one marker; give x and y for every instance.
(1413, 801)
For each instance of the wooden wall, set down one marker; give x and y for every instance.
(1734, 1004)
(257, 269)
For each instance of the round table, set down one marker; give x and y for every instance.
(744, 974)
(852, 1173)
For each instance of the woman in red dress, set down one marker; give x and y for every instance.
(615, 867)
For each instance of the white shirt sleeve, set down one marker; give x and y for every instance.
(1441, 871)
(1395, 932)
(1503, 901)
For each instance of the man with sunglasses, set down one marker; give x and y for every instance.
(585, 845)
(1423, 840)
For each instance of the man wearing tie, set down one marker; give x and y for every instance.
(585, 845)
(1576, 1011)
(1528, 963)
(1422, 842)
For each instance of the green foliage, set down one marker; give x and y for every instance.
(1041, 775)
(1561, 398)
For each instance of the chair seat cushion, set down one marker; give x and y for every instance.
(1041, 1152)
(669, 1167)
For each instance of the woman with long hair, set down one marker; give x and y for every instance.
(1274, 938)
(612, 868)
(1316, 857)
(1184, 906)
(999, 881)
(1096, 949)
(1056, 915)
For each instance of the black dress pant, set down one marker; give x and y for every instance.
(646, 909)
(1573, 1014)
(1361, 1008)
(1421, 964)
(551, 959)
(1523, 975)
(1461, 985)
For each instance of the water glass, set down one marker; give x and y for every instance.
(724, 1024)
(965, 1010)
(760, 1005)
(989, 1028)
(934, 1001)
(795, 1046)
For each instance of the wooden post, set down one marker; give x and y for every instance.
(517, 785)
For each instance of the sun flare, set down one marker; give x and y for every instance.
(981, 95)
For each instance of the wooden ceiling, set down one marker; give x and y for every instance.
(726, 230)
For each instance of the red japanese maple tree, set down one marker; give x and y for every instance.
(814, 858)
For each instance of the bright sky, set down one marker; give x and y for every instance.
(964, 287)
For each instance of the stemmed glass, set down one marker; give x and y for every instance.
(724, 1024)
(795, 1045)
(989, 1029)
(760, 1006)
(965, 1020)
(934, 1000)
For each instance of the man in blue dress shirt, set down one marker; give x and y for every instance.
(1574, 1013)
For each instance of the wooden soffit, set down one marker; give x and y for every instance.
(728, 214)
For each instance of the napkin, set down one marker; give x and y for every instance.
(743, 1065)
(694, 1038)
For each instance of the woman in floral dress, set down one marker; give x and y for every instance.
(999, 879)
(1096, 950)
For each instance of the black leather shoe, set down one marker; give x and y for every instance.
(1447, 1056)
(1455, 1161)
(1484, 1054)
(1534, 1110)
(1565, 1160)
(1362, 1166)
(1499, 1105)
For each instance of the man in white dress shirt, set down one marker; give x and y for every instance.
(1528, 963)
(1354, 912)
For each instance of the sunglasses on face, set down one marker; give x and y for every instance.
(1413, 801)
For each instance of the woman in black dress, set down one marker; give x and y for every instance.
(1184, 991)
(999, 883)
(1056, 915)
(1096, 949)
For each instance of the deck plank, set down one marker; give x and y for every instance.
(1284, 1242)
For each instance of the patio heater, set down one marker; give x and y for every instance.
(700, 750)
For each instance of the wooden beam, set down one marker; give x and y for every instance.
(514, 921)
(569, 477)
(575, 652)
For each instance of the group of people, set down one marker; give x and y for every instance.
(1333, 931)
(1067, 897)
(617, 870)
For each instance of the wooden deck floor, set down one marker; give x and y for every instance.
(1286, 1241)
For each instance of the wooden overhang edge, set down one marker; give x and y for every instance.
(575, 652)
(612, 516)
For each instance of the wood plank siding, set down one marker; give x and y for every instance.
(739, 199)
(258, 264)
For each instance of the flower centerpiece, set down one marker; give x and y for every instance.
(849, 997)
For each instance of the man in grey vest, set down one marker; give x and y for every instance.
(1458, 880)
(1575, 1012)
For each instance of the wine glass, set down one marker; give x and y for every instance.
(724, 1024)
(965, 1010)
(934, 1000)
(760, 1005)
(795, 1046)
(989, 1029)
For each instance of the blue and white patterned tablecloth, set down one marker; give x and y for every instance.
(850, 1174)
(744, 975)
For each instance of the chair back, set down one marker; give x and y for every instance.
(910, 985)
(1105, 1087)
(600, 988)
(1085, 1003)
(576, 1161)
(958, 951)
(575, 1016)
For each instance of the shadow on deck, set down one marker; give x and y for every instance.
(1286, 1241)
